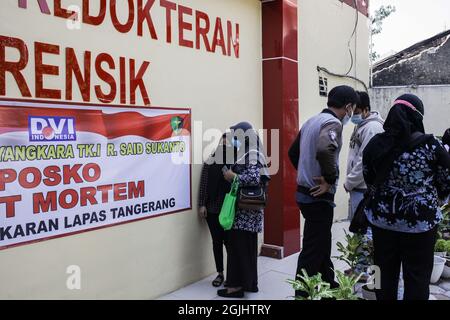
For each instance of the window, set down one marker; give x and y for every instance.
(323, 86)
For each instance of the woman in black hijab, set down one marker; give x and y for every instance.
(409, 172)
(213, 188)
(250, 169)
(446, 139)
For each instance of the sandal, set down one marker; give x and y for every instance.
(217, 282)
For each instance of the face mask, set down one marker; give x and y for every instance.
(346, 119)
(357, 119)
(236, 143)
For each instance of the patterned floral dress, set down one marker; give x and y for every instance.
(408, 201)
(248, 220)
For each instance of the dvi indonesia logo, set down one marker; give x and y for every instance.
(51, 129)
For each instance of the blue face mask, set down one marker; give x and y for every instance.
(357, 119)
(236, 143)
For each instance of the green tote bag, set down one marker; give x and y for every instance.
(226, 216)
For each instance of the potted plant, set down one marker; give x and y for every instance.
(352, 252)
(446, 271)
(317, 289)
(314, 286)
(358, 249)
(367, 293)
(346, 289)
(438, 268)
(440, 248)
(440, 251)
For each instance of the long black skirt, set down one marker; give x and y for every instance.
(242, 264)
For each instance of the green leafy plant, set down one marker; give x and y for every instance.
(314, 287)
(346, 289)
(317, 289)
(440, 246)
(444, 225)
(377, 25)
(447, 246)
(446, 209)
(351, 253)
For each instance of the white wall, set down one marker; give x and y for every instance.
(325, 28)
(436, 100)
(148, 258)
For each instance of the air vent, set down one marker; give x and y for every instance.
(323, 86)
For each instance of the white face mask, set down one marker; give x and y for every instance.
(347, 118)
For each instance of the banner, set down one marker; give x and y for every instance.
(67, 168)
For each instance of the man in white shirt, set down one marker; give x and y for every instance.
(367, 124)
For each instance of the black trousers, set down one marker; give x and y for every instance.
(415, 252)
(219, 239)
(242, 265)
(315, 256)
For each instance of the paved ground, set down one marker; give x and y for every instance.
(273, 274)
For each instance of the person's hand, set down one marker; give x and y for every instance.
(321, 188)
(229, 175)
(202, 212)
(345, 188)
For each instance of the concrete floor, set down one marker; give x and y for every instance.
(272, 276)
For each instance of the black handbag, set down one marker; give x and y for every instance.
(252, 197)
(359, 223)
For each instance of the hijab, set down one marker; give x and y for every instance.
(404, 119)
(251, 150)
(446, 139)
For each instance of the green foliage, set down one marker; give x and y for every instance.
(377, 25)
(346, 289)
(380, 14)
(374, 56)
(441, 245)
(317, 289)
(314, 286)
(352, 252)
(446, 210)
(447, 246)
